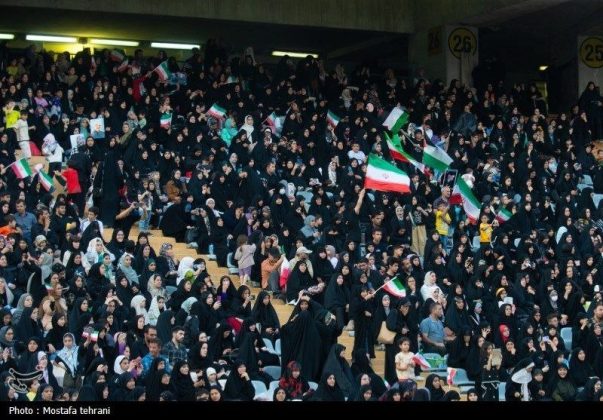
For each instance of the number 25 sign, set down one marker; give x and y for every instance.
(591, 52)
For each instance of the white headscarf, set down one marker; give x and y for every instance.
(154, 312)
(135, 304)
(116, 367)
(524, 377)
(428, 288)
(248, 127)
(185, 264)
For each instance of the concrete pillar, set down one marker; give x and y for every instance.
(590, 61)
(445, 52)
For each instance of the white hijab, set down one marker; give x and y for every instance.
(135, 304)
(185, 264)
(248, 127)
(429, 287)
(116, 367)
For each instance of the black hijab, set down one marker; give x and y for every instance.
(265, 315)
(579, 371)
(300, 341)
(182, 385)
(27, 327)
(324, 392)
(164, 326)
(336, 295)
(436, 394)
(338, 366)
(237, 388)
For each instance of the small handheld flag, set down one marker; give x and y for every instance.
(21, 168)
(421, 361)
(451, 374)
(395, 287)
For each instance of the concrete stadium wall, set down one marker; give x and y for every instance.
(377, 15)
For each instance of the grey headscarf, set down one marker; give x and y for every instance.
(46, 266)
(187, 304)
(3, 339)
(20, 306)
(129, 272)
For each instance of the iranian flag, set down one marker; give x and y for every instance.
(275, 122)
(21, 168)
(471, 205)
(436, 158)
(44, 179)
(420, 360)
(384, 176)
(503, 215)
(138, 89)
(162, 71)
(396, 119)
(117, 55)
(217, 111)
(398, 153)
(395, 287)
(165, 121)
(123, 66)
(451, 375)
(332, 119)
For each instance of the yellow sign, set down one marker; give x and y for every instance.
(434, 41)
(591, 52)
(462, 40)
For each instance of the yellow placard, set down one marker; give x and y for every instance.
(462, 40)
(591, 52)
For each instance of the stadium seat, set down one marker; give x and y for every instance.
(230, 263)
(269, 346)
(437, 362)
(502, 388)
(516, 242)
(475, 244)
(586, 179)
(461, 378)
(259, 386)
(277, 346)
(222, 382)
(313, 385)
(560, 233)
(566, 334)
(596, 199)
(273, 371)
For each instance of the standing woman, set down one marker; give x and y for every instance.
(403, 322)
(108, 181)
(362, 309)
(490, 371)
(337, 300)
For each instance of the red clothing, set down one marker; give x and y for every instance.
(73, 181)
(6, 230)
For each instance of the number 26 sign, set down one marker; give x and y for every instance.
(462, 40)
